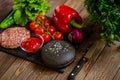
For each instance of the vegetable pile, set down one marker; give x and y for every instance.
(27, 10)
(106, 13)
(42, 26)
(68, 21)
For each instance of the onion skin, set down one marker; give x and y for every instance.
(76, 36)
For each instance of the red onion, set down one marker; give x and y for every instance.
(75, 36)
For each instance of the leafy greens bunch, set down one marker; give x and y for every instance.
(106, 13)
(27, 10)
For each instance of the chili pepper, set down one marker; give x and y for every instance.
(64, 17)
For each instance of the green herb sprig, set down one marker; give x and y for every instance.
(27, 10)
(106, 13)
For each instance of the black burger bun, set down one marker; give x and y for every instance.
(57, 54)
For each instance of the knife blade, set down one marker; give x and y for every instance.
(89, 52)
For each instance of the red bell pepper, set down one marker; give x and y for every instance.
(64, 17)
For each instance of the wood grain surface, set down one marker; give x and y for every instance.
(5, 8)
(103, 65)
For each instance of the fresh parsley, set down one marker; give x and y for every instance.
(106, 13)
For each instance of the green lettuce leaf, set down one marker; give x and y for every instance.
(27, 10)
(19, 18)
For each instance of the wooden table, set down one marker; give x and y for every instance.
(104, 64)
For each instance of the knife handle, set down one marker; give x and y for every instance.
(77, 68)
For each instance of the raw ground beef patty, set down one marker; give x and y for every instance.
(11, 37)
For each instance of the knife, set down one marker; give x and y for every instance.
(89, 52)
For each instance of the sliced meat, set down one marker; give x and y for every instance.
(11, 37)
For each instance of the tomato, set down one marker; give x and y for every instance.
(33, 26)
(51, 30)
(43, 26)
(32, 45)
(40, 17)
(58, 36)
(47, 23)
(39, 30)
(46, 37)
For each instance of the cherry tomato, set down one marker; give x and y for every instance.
(32, 45)
(46, 37)
(51, 30)
(58, 36)
(40, 30)
(33, 26)
(47, 23)
(40, 17)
